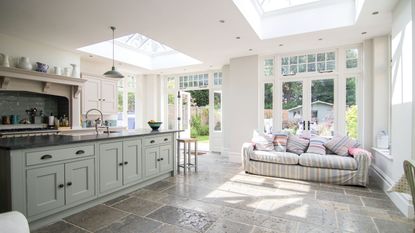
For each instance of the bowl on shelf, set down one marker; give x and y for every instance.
(155, 125)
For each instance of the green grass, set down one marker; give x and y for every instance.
(202, 138)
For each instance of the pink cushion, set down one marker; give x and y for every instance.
(355, 151)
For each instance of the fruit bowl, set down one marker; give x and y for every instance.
(155, 125)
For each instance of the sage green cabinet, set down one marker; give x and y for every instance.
(79, 180)
(45, 189)
(166, 158)
(151, 156)
(110, 166)
(132, 159)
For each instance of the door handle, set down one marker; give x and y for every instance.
(61, 186)
(303, 125)
(44, 157)
(166, 139)
(126, 162)
(79, 152)
(308, 122)
(152, 141)
(69, 183)
(121, 164)
(161, 159)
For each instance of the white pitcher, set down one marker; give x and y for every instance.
(5, 62)
(57, 70)
(24, 63)
(75, 72)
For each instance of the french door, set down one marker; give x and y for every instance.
(308, 106)
(183, 113)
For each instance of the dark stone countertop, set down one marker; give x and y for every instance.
(29, 142)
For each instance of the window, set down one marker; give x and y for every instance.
(217, 105)
(351, 108)
(127, 89)
(171, 111)
(217, 78)
(171, 83)
(352, 58)
(268, 67)
(268, 107)
(306, 63)
(194, 81)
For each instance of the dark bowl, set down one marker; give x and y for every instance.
(155, 125)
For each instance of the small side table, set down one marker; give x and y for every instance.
(186, 165)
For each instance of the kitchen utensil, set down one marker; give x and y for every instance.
(5, 62)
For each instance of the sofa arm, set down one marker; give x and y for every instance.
(363, 160)
(247, 149)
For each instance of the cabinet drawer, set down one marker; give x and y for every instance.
(150, 141)
(47, 156)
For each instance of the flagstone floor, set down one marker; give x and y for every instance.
(222, 198)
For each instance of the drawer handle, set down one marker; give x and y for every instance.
(158, 160)
(121, 164)
(126, 162)
(80, 152)
(69, 183)
(161, 159)
(46, 157)
(61, 186)
(166, 139)
(152, 141)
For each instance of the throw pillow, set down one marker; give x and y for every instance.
(296, 144)
(341, 144)
(280, 142)
(263, 141)
(317, 145)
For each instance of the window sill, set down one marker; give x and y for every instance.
(384, 152)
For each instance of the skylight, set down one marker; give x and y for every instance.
(141, 51)
(273, 5)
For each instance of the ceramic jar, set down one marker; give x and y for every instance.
(75, 72)
(41, 67)
(67, 71)
(57, 70)
(5, 61)
(24, 63)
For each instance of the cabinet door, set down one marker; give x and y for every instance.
(109, 97)
(132, 161)
(151, 155)
(80, 180)
(166, 158)
(45, 189)
(91, 94)
(110, 166)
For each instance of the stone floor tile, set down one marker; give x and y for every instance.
(242, 216)
(337, 197)
(280, 224)
(226, 226)
(131, 224)
(378, 203)
(230, 199)
(137, 206)
(258, 229)
(96, 217)
(61, 227)
(149, 195)
(189, 219)
(159, 186)
(367, 194)
(311, 228)
(116, 200)
(168, 228)
(355, 223)
(386, 226)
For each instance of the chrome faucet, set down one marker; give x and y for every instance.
(99, 121)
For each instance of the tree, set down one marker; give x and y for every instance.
(200, 97)
(268, 95)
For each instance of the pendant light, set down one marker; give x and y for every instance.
(113, 73)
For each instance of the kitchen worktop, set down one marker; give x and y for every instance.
(28, 142)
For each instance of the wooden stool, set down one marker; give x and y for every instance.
(187, 142)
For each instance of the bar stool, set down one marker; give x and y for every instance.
(187, 142)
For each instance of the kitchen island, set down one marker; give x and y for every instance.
(49, 177)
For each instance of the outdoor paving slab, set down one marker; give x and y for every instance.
(61, 227)
(137, 206)
(96, 217)
(226, 226)
(131, 224)
(189, 219)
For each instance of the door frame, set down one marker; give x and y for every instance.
(180, 118)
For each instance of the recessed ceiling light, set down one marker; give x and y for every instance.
(320, 38)
(281, 45)
(375, 12)
(250, 49)
(222, 21)
(91, 55)
(364, 33)
(238, 37)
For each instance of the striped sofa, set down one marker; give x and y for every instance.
(335, 169)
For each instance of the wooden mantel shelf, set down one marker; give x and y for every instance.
(9, 73)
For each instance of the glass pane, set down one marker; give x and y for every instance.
(268, 106)
(331, 65)
(293, 60)
(284, 61)
(302, 68)
(293, 69)
(331, 56)
(284, 70)
(131, 110)
(185, 116)
(311, 58)
(320, 66)
(217, 101)
(302, 59)
(190, 81)
(322, 103)
(321, 56)
(120, 100)
(352, 53)
(292, 101)
(311, 67)
(171, 83)
(171, 111)
(351, 63)
(269, 67)
(351, 108)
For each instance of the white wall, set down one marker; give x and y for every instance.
(151, 101)
(240, 111)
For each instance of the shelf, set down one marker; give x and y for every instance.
(9, 73)
(384, 152)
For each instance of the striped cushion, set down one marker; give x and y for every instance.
(296, 145)
(341, 144)
(274, 157)
(317, 145)
(328, 161)
(280, 142)
(263, 141)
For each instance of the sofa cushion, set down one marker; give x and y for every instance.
(317, 145)
(280, 142)
(274, 157)
(341, 144)
(296, 144)
(263, 141)
(328, 161)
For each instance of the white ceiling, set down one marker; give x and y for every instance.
(189, 26)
